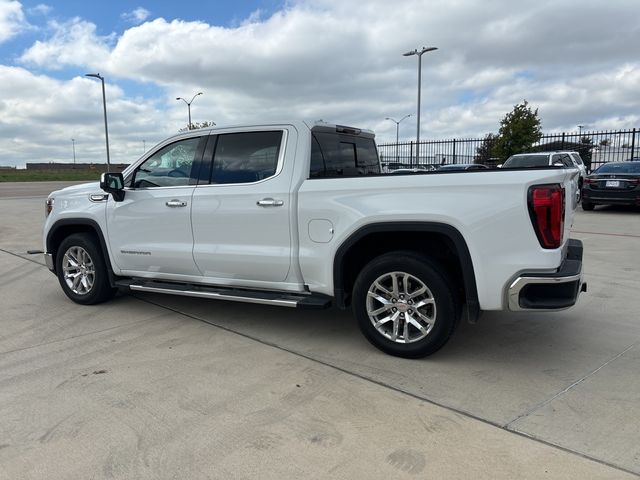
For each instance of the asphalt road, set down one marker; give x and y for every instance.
(31, 189)
(151, 386)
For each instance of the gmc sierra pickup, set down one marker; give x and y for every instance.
(299, 215)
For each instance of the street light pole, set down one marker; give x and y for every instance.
(397, 122)
(189, 106)
(104, 106)
(419, 54)
(580, 127)
(73, 144)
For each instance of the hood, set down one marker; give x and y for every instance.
(81, 188)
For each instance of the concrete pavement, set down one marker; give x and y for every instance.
(147, 386)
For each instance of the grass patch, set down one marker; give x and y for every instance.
(48, 175)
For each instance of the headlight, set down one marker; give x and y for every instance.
(48, 206)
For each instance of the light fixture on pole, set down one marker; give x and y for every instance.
(419, 54)
(104, 105)
(189, 106)
(397, 122)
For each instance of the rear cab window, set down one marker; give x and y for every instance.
(524, 161)
(342, 152)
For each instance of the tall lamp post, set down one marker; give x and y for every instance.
(104, 106)
(189, 106)
(419, 54)
(580, 127)
(397, 122)
(73, 145)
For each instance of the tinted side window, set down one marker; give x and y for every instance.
(169, 166)
(367, 155)
(246, 157)
(334, 155)
(566, 160)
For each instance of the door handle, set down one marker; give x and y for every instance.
(176, 203)
(269, 202)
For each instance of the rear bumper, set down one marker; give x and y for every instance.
(611, 197)
(550, 291)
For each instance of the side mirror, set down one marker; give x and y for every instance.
(113, 183)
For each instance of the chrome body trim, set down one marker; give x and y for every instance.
(513, 293)
(215, 295)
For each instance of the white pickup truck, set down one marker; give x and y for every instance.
(299, 215)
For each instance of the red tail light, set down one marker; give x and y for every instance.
(588, 181)
(546, 208)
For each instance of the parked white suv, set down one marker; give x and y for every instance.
(546, 159)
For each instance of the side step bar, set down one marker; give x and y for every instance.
(282, 299)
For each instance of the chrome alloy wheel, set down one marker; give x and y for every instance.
(78, 270)
(401, 307)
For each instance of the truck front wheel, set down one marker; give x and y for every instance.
(82, 271)
(404, 304)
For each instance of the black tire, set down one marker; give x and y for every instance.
(587, 206)
(434, 277)
(100, 290)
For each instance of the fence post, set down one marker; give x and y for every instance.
(633, 142)
(562, 147)
(454, 151)
(411, 155)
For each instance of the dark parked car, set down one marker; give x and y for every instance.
(462, 166)
(614, 183)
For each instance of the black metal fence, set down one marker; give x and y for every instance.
(595, 147)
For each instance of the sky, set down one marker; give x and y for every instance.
(576, 61)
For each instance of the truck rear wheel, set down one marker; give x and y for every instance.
(82, 270)
(404, 304)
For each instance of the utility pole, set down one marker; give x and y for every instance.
(419, 54)
(104, 105)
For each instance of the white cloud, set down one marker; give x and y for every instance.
(40, 9)
(137, 15)
(39, 115)
(316, 59)
(74, 42)
(12, 20)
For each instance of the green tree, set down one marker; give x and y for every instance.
(484, 151)
(196, 126)
(585, 150)
(519, 130)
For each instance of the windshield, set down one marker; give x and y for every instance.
(527, 161)
(619, 167)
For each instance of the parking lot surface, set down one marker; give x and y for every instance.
(151, 386)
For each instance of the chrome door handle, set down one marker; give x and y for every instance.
(176, 203)
(269, 202)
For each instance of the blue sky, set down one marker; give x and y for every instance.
(339, 60)
(112, 17)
